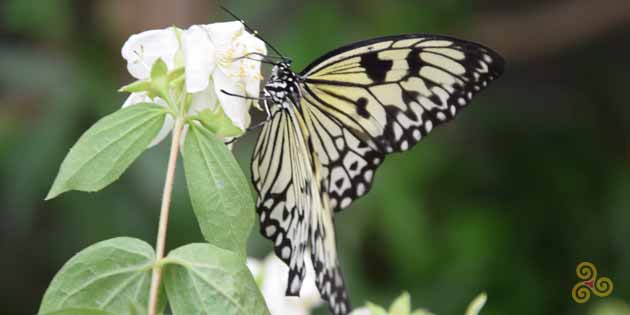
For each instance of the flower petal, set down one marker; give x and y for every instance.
(223, 34)
(169, 124)
(309, 294)
(249, 69)
(143, 49)
(206, 99)
(255, 266)
(273, 288)
(199, 58)
(135, 98)
(236, 108)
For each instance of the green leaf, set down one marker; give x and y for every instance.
(159, 79)
(218, 189)
(111, 276)
(178, 74)
(218, 123)
(159, 69)
(401, 306)
(375, 309)
(137, 309)
(105, 150)
(136, 86)
(204, 279)
(421, 311)
(78, 311)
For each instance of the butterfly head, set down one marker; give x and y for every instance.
(283, 83)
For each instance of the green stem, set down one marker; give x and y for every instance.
(166, 202)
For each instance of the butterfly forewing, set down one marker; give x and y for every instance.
(388, 94)
(282, 177)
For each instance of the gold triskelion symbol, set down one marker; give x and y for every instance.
(601, 286)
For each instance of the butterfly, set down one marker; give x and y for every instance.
(330, 126)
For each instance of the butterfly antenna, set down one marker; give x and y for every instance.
(251, 30)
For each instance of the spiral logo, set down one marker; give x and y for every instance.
(590, 283)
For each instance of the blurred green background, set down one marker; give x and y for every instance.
(530, 181)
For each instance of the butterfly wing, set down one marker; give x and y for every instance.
(293, 207)
(348, 161)
(282, 177)
(384, 95)
(328, 276)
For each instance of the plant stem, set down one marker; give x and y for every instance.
(166, 202)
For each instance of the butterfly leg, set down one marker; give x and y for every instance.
(265, 59)
(244, 96)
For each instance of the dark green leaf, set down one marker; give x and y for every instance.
(218, 189)
(111, 276)
(204, 279)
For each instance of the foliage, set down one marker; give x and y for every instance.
(121, 275)
(114, 275)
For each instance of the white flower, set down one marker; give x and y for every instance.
(142, 50)
(273, 275)
(229, 71)
(210, 55)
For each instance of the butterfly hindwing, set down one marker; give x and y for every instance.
(348, 162)
(293, 206)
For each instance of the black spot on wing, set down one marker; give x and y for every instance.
(413, 61)
(361, 108)
(375, 68)
(408, 97)
(339, 182)
(354, 166)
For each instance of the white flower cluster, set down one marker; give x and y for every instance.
(211, 57)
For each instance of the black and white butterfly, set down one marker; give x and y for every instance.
(331, 125)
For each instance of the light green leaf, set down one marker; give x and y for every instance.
(105, 150)
(477, 304)
(78, 311)
(401, 306)
(218, 123)
(375, 309)
(204, 279)
(421, 311)
(110, 276)
(218, 190)
(159, 69)
(177, 75)
(137, 309)
(136, 86)
(159, 79)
